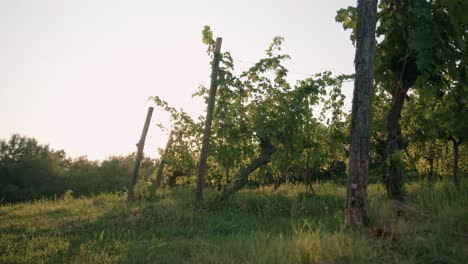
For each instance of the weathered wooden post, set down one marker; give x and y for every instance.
(159, 173)
(209, 118)
(139, 154)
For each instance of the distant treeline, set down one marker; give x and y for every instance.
(29, 171)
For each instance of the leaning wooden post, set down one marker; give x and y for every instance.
(139, 154)
(209, 118)
(157, 182)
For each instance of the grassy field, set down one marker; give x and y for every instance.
(288, 225)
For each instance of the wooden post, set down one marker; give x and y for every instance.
(139, 154)
(209, 118)
(157, 182)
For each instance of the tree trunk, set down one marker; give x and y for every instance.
(455, 164)
(430, 159)
(269, 178)
(209, 118)
(394, 180)
(308, 174)
(307, 177)
(331, 169)
(139, 154)
(356, 199)
(267, 149)
(431, 171)
(278, 181)
(162, 163)
(218, 182)
(172, 180)
(456, 145)
(228, 179)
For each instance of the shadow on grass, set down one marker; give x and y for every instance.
(170, 229)
(108, 229)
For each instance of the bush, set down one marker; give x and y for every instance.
(29, 171)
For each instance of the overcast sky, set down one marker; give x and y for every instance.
(76, 74)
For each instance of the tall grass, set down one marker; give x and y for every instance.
(287, 225)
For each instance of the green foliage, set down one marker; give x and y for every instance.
(208, 39)
(422, 44)
(430, 121)
(257, 105)
(397, 158)
(183, 155)
(420, 39)
(30, 171)
(87, 177)
(348, 17)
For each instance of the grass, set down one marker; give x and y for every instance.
(287, 225)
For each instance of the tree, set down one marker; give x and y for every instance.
(422, 42)
(422, 133)
(356, 198)
(29, 170)
(278, 113)
(230, 123)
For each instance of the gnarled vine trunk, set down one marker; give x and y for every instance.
(267, 149)
(456, 145)
(430, 159)
(226, 174)
(395, 142)
(172, 181)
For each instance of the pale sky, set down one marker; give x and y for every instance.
(76, 74)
